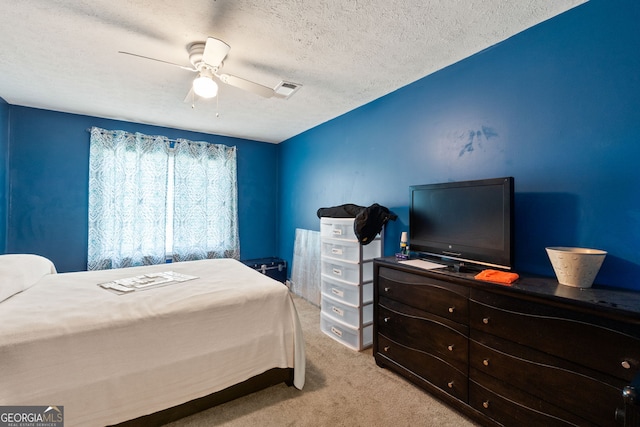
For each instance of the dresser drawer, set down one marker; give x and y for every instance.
(347, 272)
(350, 251)
(447, 300)
(545, 378)
(425, 366)
(349, 315)
(424, 332)
(511, 407)
(347, 293)
(569, 335)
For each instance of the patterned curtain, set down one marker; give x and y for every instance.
(205, 215)
(127, 199)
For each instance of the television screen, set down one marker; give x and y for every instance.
(468, 221)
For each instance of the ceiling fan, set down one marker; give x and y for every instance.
(207, 60)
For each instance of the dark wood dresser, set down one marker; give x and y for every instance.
(533, 353)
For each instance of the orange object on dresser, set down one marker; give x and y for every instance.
(497, 276)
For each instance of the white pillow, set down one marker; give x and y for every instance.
(20, 271)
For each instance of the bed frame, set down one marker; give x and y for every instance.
(259, 382)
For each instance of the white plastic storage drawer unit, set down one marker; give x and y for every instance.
(347, 283)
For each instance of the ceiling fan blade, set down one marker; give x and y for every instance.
(215, 51)
(159, 60)
(247, 85)
(191, 96)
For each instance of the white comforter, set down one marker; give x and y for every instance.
(108, 358)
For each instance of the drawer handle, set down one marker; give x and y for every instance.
(337, 271)
(337, 232)
(386, 348)
(387, 289)
(337, 292)
(386, 319)
(450, 348)
(485, 362)
(452, 309)
(450, 384)
(625, 364)
(485, 404)
(485, 320)
(336, 251)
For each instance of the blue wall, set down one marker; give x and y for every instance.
(4, 144)
(48, 187)
(557, 107)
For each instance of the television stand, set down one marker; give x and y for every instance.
(533, 353)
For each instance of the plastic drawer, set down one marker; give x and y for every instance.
(337, 228)
(347, 293)
(350, 251)
(345, 313)
(355, 339)
(347, 272)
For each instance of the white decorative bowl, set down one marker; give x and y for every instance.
(576, 267)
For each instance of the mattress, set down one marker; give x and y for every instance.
(108, 358)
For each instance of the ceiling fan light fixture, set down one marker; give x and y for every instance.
(204, 86)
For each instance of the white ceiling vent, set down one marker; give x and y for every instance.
(286, 89)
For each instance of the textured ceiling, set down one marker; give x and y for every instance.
(63, 55)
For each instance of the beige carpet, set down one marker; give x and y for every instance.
(343, 388)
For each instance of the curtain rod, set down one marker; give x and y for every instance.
(114, 132)
(105, 131)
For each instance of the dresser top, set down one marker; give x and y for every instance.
(615, 301)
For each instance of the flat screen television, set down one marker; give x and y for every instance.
(469, 223)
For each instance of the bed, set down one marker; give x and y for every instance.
(107, 357)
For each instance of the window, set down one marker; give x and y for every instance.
(149, 196)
